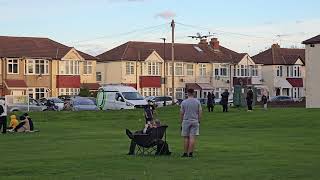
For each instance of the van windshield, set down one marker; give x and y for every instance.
(132, 96)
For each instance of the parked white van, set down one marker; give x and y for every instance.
(116, 97)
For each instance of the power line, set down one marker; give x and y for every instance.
(121, 34)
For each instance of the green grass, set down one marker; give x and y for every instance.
(278, 144)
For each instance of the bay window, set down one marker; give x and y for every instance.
(241, 71)
(154, 68)
(150, 92)
(87, 67)
(69, 91)
(294, 71)
(69, 67)
(37, 93)
(13, 66)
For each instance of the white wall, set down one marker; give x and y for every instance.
(312, 76)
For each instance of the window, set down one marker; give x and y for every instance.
(190, 69)
(13, 66)
(279, 71)
(40, 93)
(254, 70)
(293, 71)
(87, 67)
(221, 70)
(150, 92)
(98, 76)
(37, 67)
(153, 68)
(69, 91)
(179, 69)
(241, 71)
(69, 67)
(203, 69)
(179, 93)
(129, 68)
(30, 93)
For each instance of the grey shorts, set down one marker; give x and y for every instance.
(190, 128)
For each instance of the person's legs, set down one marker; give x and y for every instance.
(208, 108)
(192, 140)
(185, 133)
(132, 148)
(186, 146)
(212, 108)
(19, 126)
(3, 124)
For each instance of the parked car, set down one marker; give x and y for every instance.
(159, 101)
(116, 97)
(57, 102)
(34, 105)
(282, 99)
(82, 104)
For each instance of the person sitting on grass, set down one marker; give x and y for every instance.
(13, 122)
(25, 125)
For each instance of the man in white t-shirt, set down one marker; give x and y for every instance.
(190, 115)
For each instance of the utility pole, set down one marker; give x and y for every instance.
(164, 59)
(172, 54)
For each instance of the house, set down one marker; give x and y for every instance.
(41, 67)
(312, 72)
(205, 67)
(283, 71)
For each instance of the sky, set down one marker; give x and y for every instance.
(96, 26)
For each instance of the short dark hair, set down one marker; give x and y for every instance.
(190, 91)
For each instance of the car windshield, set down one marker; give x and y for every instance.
(83, 102)
(132, 96)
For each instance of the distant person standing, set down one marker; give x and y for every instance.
(149, 112)
(190, 115)
(224, 100)
(264, 100)
(249, 99)
(3, 116)
(210, 102)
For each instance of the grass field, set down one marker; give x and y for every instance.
(278, 144)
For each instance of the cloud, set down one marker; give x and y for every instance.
(166, 14)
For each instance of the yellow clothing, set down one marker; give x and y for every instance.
(13, 121)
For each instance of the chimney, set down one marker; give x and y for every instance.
(214, 43)
(275, 46)
(203, 42)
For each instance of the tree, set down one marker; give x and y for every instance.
(84, 92)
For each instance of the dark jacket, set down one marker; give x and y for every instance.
(224, 98)
(264, 99)
(210, 100)
(250, 95)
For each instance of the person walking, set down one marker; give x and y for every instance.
(190, 116)
(224, 100)
(249, 99)
(264, 100)
(3, 116)
(210, 102)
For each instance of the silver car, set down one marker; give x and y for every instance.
(83, 104)
(34, 105)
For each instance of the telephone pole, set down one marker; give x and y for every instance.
(172, 51)
(164, 64)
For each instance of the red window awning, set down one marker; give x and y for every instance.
(295, 82)
(11, 83)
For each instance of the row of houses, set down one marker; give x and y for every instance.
(41, 67)
(205, 67)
